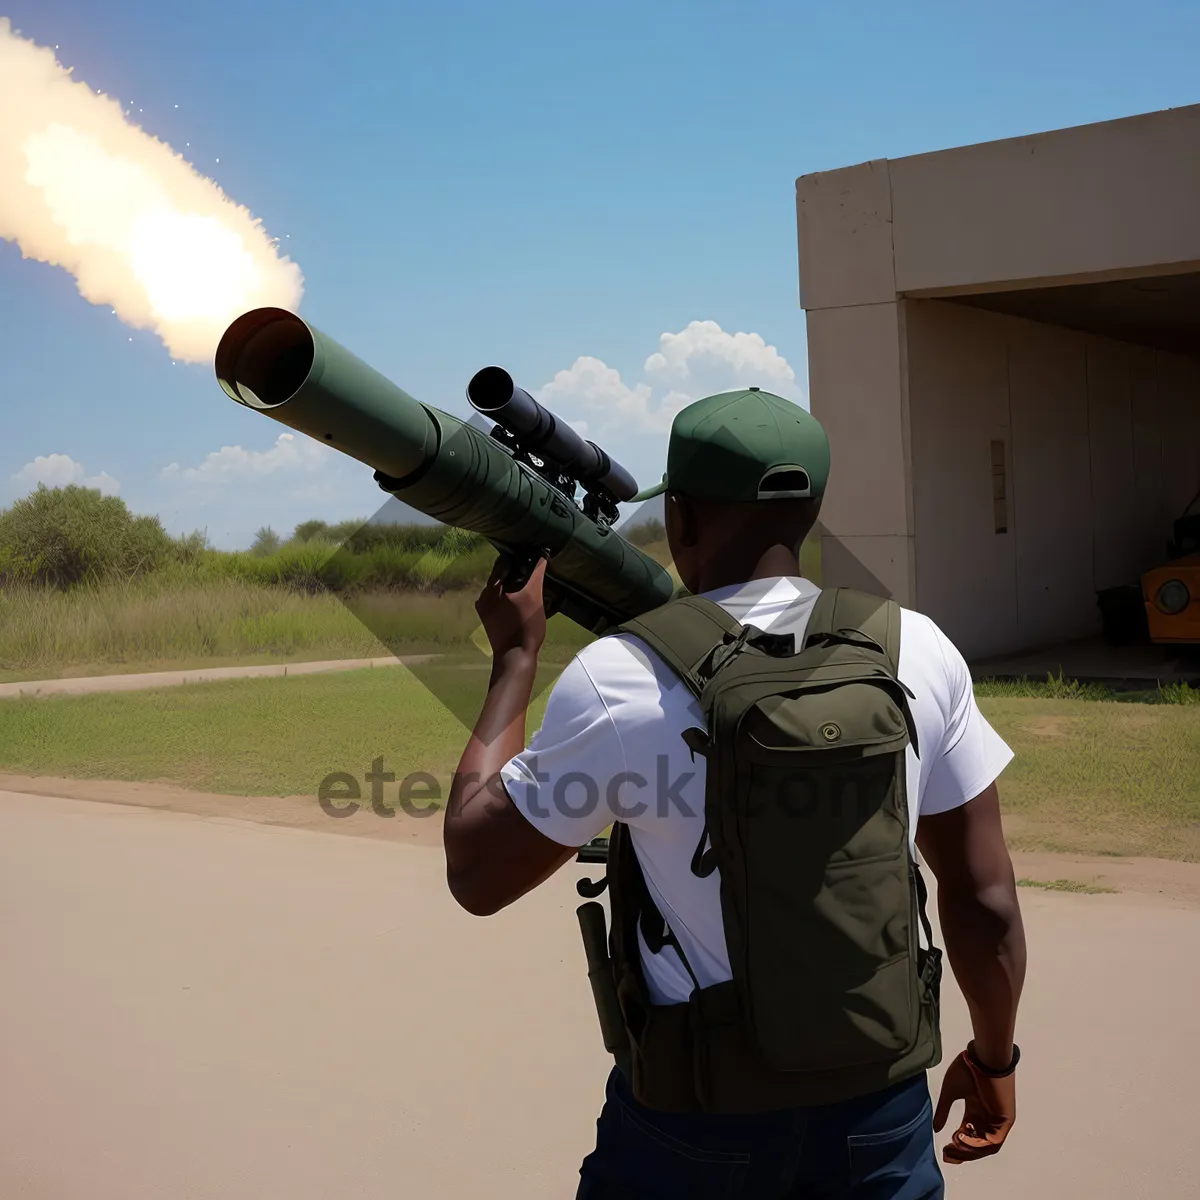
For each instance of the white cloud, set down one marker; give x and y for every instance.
(61, 470)
(597, 388)
(234, 491)
(104, 482)
(233, 463)
(54, 470)
(698, 361)
(703, 359)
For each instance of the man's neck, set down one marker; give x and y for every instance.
(776, 562)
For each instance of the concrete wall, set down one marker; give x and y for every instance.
(856, 374)
(855, 368)
(1101, 442)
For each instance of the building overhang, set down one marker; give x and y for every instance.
(1085, 211)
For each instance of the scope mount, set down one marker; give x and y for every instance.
(598, 503)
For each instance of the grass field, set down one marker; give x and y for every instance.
(151, 625)
(1088, 777)
(172, 621)
(254, 736)
(1101, 777)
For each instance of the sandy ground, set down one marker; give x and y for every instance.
(201, 1005)
(1155, 877)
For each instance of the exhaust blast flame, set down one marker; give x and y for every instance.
(142, 231)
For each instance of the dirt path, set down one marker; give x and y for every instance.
(204, 1006)
(1172, 881)
(291, 812)
(86, 685)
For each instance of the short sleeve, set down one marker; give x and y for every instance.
(560, 781)
(972, 754)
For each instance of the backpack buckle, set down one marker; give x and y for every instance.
(729, 648)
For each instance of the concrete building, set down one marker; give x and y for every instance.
(1004, 346)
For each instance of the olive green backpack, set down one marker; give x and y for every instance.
(806, 819)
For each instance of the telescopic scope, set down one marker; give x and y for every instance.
(493, 394)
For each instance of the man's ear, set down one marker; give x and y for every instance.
(684, 517)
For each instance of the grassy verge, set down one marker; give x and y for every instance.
(230, 609)
(1090, 777)
(265, 737)
(1101, 777)
(1058, 688)
(167, 625)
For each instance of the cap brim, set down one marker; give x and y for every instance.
(649, 493)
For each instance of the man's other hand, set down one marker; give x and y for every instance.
(989, 1112)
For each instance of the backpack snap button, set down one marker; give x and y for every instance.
(830, 732)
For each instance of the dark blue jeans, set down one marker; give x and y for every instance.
(876, 1147)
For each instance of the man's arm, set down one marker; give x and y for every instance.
(494, 854)
(980, 917)
(959, 834)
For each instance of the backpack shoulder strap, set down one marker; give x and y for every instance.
(874, 617)
(683, 633)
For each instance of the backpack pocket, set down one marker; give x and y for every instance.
(825, 769)
(822, 911)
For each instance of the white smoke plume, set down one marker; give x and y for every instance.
(84, 188)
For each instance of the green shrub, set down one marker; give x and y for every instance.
(444, 566)
(266, 542)
(420, 538)
(190, 547)
(1178, 693)
(316, 565)
(308, 531)
(459, 541)
(62, 537)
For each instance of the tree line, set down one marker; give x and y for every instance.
(73, 536)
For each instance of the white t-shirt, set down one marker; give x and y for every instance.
(618, 711)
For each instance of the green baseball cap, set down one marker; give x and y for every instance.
(745, 445)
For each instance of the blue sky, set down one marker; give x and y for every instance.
(518, 183)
